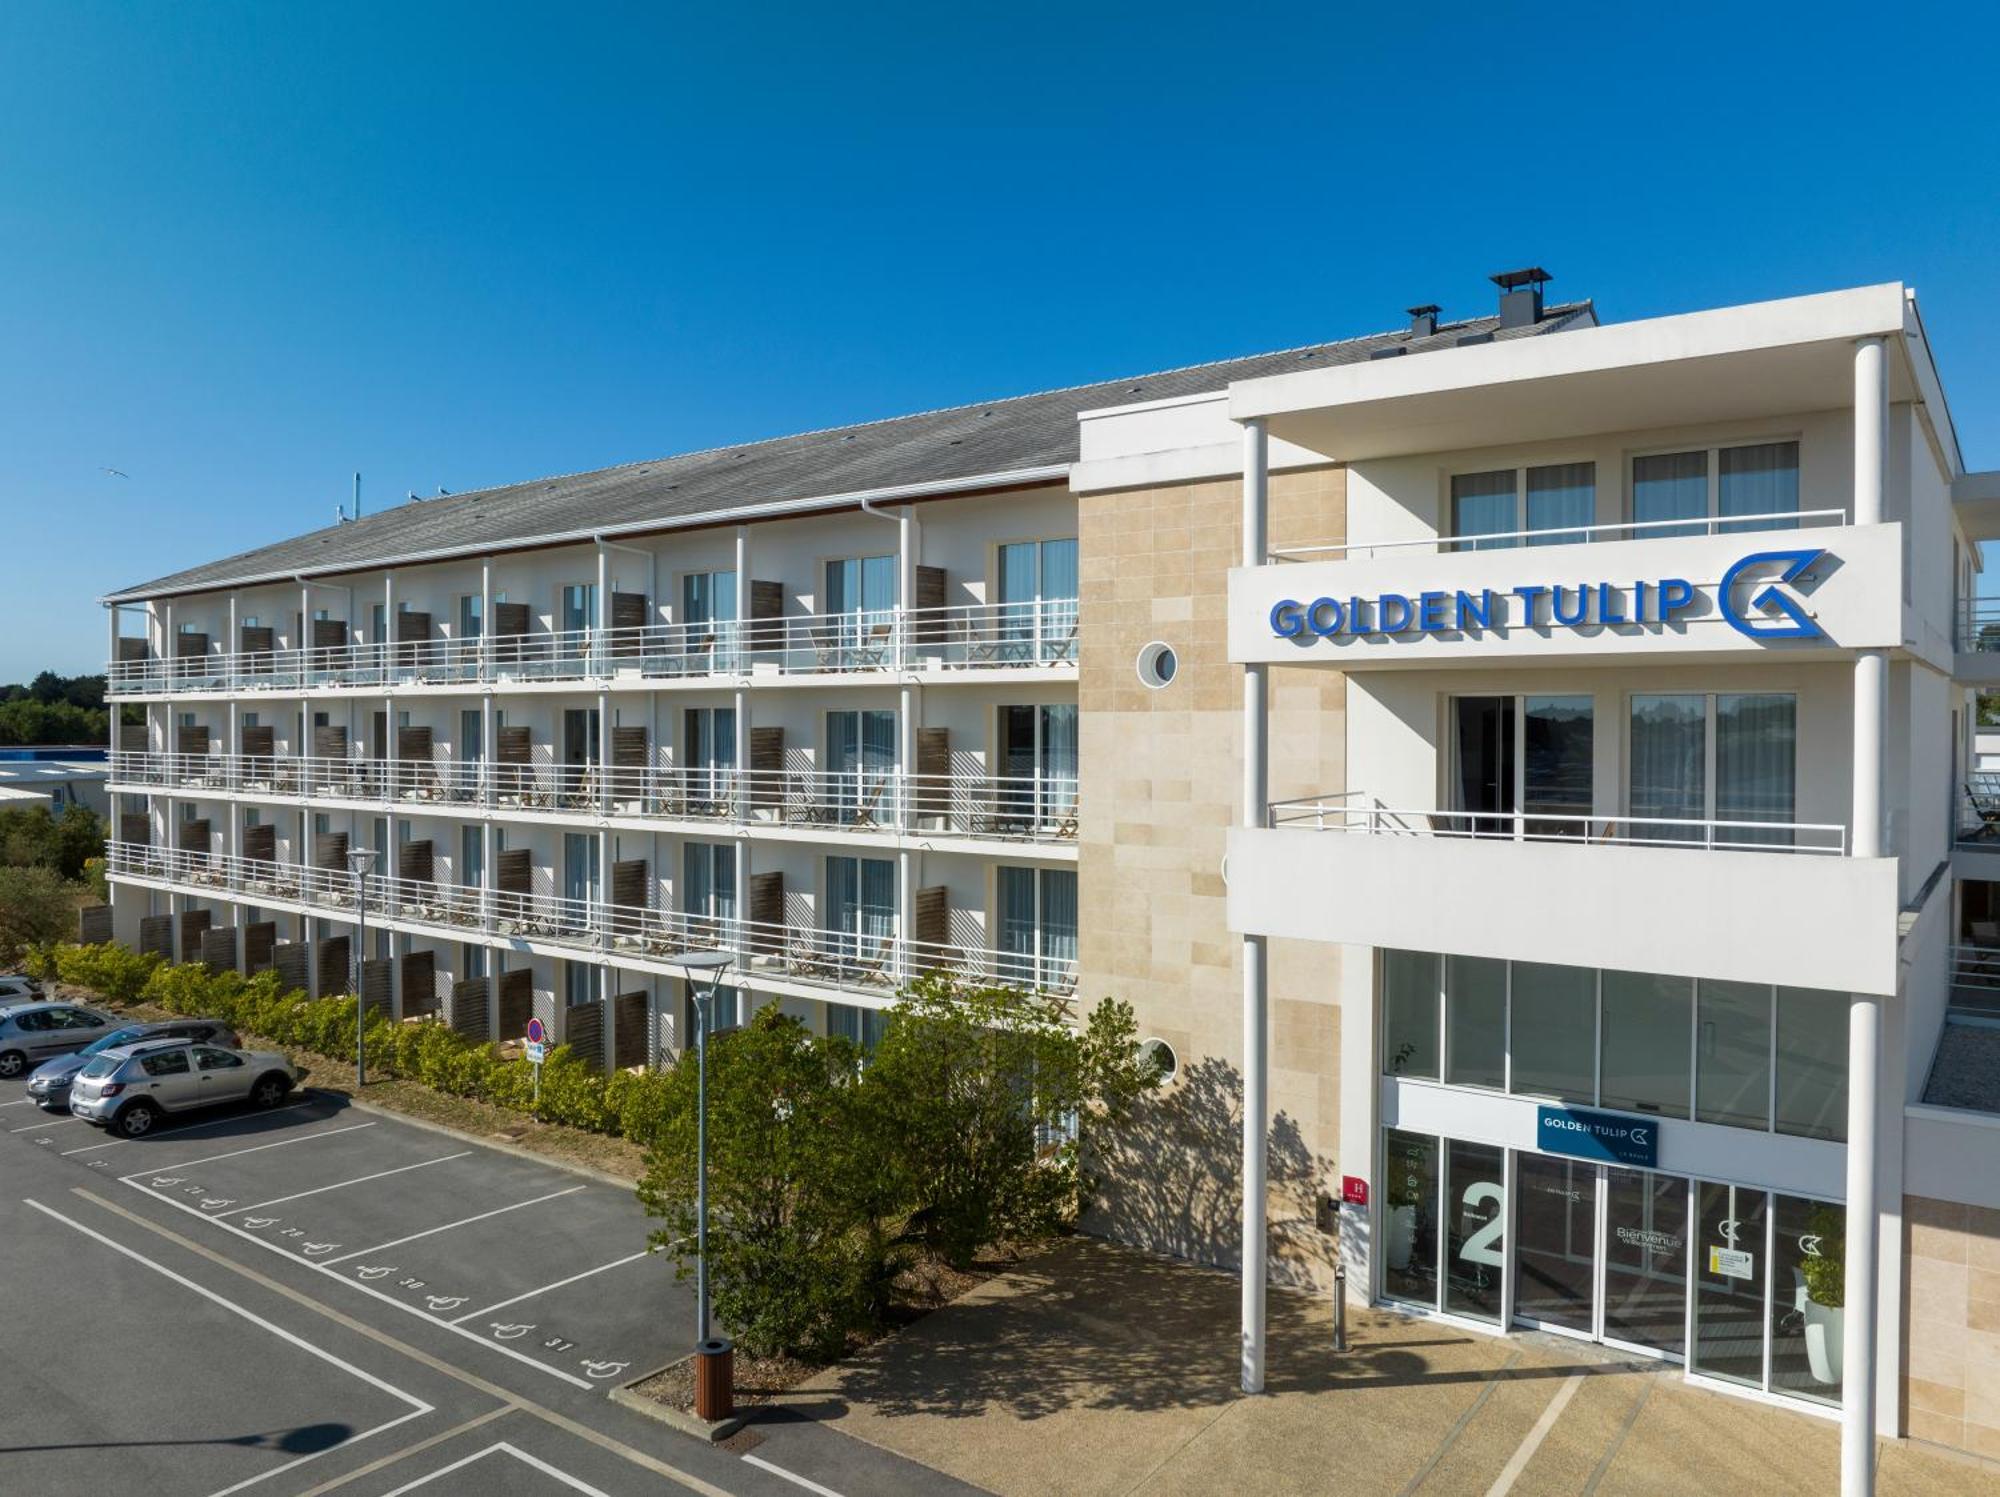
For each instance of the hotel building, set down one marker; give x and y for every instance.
(1519, 768)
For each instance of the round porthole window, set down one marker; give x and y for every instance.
(1161, 1054)
(1157, 665)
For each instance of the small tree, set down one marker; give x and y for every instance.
(985, 1100)
(787, 1243)
(36, 907)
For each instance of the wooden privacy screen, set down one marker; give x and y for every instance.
(767, 912)
(218, 948)
(260, 941)
(583, 1031)
(468, 1007)
(93, 924)
(335, 975)
(292, 960)
(628, 1029)
(260, 843)
(420, 995)
(517, 1002)
(378, 978)
(193, 923)
(156, 936)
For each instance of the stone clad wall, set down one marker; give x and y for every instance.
(1951, 1352)
(1161, 776)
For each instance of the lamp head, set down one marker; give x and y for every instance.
(360, 859)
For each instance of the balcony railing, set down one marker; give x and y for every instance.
(1002, 808)
(1570, 535)
(1351, 812)
(1979, 626)
(977, 636)
(835, 959)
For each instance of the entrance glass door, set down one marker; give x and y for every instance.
(1601, 1252)
(1645, 1260)
(1555, 1244)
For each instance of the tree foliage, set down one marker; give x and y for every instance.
(28, 722)
(36, 837)
(36, 907)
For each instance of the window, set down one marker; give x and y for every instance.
(1643, 1049)
(860, 914)
(1037, 759)
(1410, 1014)
(1036, 590)
(1812, 1063)
(1808, 1258)
(708, 598)
(579, 983)
(1553, 1028)
(862, 1027)
(862, 585)
(860, 764)
(471, 618)
(471, 856)
(579, 607)
(1157, 665)
(1522, 765)
(708, 748)
(471, 960)
(1037, 920)
(1731, 757)
(1476, 1022)
(1556, 501)
(165, 1063)
(1475, 1213)
(580, 879)
(1732, 1061)
(1759, 484)
(1409, 1217)
(378, 623)
(215, 1060)
(708, 882)
(1729, 1284)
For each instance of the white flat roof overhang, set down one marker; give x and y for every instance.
(1736, 363)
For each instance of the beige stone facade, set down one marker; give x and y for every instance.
(1951, 1359)
(1161, 773)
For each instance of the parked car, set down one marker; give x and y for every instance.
(14, 988)
(49, 1084)
(31, 1033)
(130, 1088)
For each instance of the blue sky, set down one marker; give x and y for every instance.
(246, 250)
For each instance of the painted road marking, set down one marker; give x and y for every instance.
(418, 1408)
(1516, 1463)
(448, 1226)
(188, 1128)
(18, 1102)
(602, 1267)
(387, 1299)
(297, 1138)
(573, 1483)
(776, 1470)
(342, 1185)
(50, 1123)
(384, 1462)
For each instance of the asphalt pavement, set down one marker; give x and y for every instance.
(322, 1299)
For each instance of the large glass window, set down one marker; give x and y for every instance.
(1562, 500)
(1756, 763)
(1645, 1259)
(1732, 757)
(860, 915)
(1812, 1063)
(1037, 924)
(1670, 486)
(1732, 1065)
(1555, 764)
(1482, 504)
(1555, 1237)
(1490, 510)
(1644, 1046)
(1554, 1031)
(1410, 1014)
(1808, 1296)
(1523, 764)
(1476, 1213)
(1760, 480)
(1037, 596)
(861, 765)
(1729, 1284)
(579, 607)
(1748, 481)
(1476, 1022)
(1409, 1217)
(1669, 767)
(1038, 764)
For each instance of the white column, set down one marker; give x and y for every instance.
(742, 706)
(603, 610)
(1256, 1001)
(111, 662)
(229, 646)
(742, 592)
(486, 623)
(1858, 1329)
(603, 754)
(1871, 667)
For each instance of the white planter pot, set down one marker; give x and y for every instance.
(1823, 1342)
(1400, 1229)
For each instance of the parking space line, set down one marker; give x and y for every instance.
(602, 1267)
(384, 1462)
(1518, 1461)
(792, 1476)
(343, 1184)
(462, 1222)
(18, 1102)
(356, 1284)
(573, 1483)
(190, 1128)
(297, 1138)
(46, 1123)
(418, 1408)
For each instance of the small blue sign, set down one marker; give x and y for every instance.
(1608, 1136)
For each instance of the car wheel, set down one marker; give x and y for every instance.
(12, 1063)
(136, 1119)
(270, 1089)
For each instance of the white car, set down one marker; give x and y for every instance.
(129, 1089)
(15, 988)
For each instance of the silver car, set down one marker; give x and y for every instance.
(48, 1083)
(129, 1089)
(31, 1033)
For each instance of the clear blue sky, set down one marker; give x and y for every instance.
(247, 249)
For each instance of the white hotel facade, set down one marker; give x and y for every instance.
(1532, 759)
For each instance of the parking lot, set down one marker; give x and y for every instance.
(323, 1298)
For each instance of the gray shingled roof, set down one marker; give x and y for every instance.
(969, 445)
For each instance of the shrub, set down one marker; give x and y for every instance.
(118, 973)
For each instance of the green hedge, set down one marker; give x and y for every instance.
(626, 1104)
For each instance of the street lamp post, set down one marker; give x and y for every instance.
(714, 1394)
(359, 860)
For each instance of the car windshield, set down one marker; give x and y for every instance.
(112, 1040)
(100, 1065)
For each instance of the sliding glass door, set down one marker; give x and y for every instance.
(1037, 925)
(1038, 764)
(1523, 765)
(1708, 768)
(860, 917)
(861, 765)
(1036, 593)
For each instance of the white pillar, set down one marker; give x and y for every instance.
(741, 702)
(603, 610)
(1871, 667)
(229, 646)
(486, 624)
(603, 755)
(736, 645)
(1858, 1329)
(111, 663)
(1256, 1001)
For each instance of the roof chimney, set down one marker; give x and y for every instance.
(1520, 296)
(1424, 320)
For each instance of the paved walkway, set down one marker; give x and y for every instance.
(1095, 1370)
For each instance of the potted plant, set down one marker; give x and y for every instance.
(1824, 1268)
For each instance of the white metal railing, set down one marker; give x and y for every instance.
(1975, 978)
(1348, 812)
(969, 637)
(839, 959)
(1566, 535)
(1004, 808)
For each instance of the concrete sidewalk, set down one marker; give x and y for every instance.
(1096, 1370)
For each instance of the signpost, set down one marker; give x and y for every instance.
(537, 1051)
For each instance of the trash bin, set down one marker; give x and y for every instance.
(715, 1379)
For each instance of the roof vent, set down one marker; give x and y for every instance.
(1424, 320)
(1392, 351)
(1520, 296)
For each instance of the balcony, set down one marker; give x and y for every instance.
(969, 639)
(1749, 901)
(784, 955)
(1013, 809)
(1977, 660)
(1738, 587)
